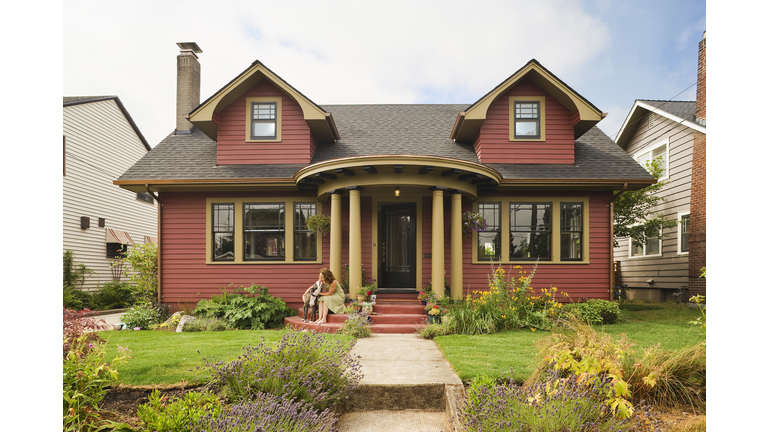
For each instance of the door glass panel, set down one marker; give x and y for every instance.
(398, 225)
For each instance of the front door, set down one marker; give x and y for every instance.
(397, 252)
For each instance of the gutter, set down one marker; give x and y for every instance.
(611, 278)
(159, 236)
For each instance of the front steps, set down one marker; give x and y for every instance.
(389, 316)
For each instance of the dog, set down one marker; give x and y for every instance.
(310, 301)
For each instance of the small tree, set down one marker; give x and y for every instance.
(632, 211)
(74, 274)
(142, 271)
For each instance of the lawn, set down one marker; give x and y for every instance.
(165, 358)
(493, 354)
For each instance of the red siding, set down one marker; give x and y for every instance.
(493, 146)
(295, 145)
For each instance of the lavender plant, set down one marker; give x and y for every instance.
(266, 412)
(554, 405)
(304, 366)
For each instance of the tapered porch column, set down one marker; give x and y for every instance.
(457, 270)
(438, 244)
(336, 234)
(355, 243)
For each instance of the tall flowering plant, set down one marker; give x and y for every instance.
(473, 222)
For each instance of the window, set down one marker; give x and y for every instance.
(657, 152)
(488, 241)
(571, 228)
(530, 231)
(264, 231)
(145, 196)
(116, 250)
(652, 247)
(526, 118)
(684, 220)
(263, 119)
(223, 232)
(305, 241)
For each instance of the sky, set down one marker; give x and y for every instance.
(354, 52)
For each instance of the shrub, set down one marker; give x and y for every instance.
(162, 414)
(553, 405)
(79, 324)
(77, 299)
(86, 374)
(244, 309)
(113, 295)
(145, 315)
(304, 366)
(596, 311)
(142, 270)
(266, 412)
(74, 274)
(357, 325)
(205, 324)
(430, 331)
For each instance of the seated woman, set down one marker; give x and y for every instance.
(332, 299)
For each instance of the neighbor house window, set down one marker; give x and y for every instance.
(489, 240)
(683, 230)
(304, 240)
(116, 250)
(223, 216)
(264, 231)
(571, 230)
(527, 119)
(652, 247)
(657, 152)
(530, 231)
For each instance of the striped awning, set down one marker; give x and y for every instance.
(118, 236)
(150, 239)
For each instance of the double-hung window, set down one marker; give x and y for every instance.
(530, 231)
(223, 216)
(264, 231)
(527, 116)
(489, 240)
(304, 240)
(659, 153)
(571, 231)
(651, 247)
(263, 120)
(684, 221)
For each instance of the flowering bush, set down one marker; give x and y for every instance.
(473, 222)
(303, 366)
(357, 325)
(266, 412)
(86, 374)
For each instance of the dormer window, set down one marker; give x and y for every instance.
(264, 118)
(526, 118)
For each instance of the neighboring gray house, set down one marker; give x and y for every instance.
(101, 141)
(662, 129)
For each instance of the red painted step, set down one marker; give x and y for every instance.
(388, 317)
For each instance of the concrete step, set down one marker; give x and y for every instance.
(390, 420)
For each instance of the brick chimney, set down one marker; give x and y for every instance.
(697, 234)
(187, 85)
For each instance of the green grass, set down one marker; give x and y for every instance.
(165, 358)
(494, 354)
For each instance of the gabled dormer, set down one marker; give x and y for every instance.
(258, 118)
(532, 117)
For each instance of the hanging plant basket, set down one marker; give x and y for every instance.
(473, 222)
(320, 224)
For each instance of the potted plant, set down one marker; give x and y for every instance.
(434, 314)
(370, 289)
(320, 224)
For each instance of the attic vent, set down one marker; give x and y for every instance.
(651, 120)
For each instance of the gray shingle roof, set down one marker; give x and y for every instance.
(365, 130)
(683, 109)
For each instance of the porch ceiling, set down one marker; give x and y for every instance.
(428, 172)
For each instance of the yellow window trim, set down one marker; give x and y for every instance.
(504, 225)
(238, 202)
(542, 116)
(278, 100)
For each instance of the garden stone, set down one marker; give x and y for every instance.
(185, 319)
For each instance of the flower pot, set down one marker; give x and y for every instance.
(434, 319)
(423, 302)
(360, 298)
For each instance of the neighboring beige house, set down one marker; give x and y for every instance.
(662, 129)
(101, 142)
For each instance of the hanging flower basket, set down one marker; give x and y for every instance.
(319, 223)
(473, 222)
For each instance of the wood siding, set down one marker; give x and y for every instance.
(492, 144)
(670, 270)
(295, 145)
(100, 146)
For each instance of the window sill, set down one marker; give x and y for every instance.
(266, 262)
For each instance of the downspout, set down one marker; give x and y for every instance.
(612, 264)
(159, 226)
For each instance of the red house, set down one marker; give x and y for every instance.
(244, 169)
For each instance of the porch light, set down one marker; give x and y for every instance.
(397, 192)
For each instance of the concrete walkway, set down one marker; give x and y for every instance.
(408, 385)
